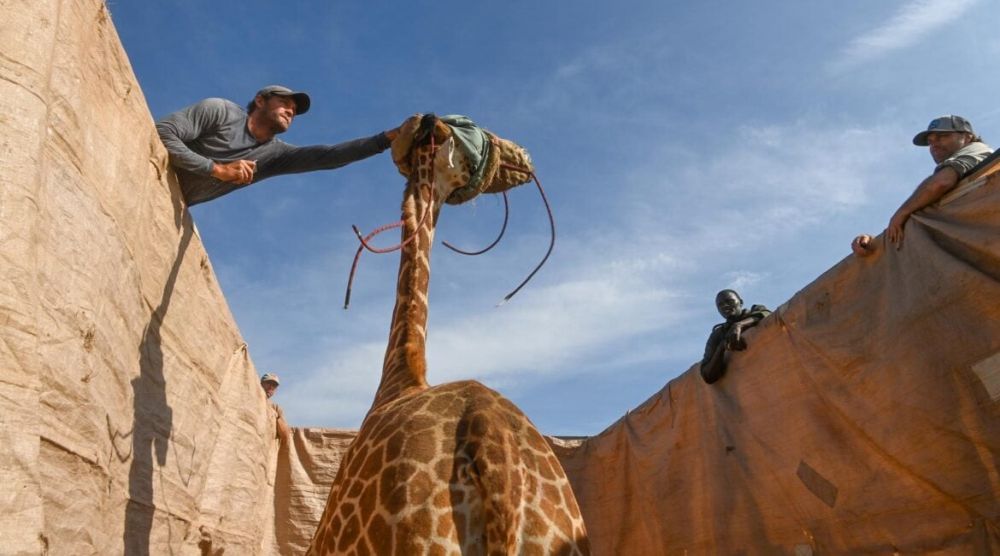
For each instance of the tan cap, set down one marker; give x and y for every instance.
(270, 377)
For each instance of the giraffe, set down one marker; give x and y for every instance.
(450, 469)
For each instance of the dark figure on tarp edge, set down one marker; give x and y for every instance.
(728, 336)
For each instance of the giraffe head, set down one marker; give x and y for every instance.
(500, 164)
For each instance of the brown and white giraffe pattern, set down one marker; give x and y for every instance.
(453, 469)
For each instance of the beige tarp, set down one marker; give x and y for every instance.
(130, 414)
(864, 417)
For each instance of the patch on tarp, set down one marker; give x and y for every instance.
(817, 484)
(988, 371)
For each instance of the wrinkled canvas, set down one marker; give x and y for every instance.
(131, 418)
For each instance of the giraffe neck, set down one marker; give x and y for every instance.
(404, 369)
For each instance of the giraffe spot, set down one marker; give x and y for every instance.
(335, 524)
(442, 469)
(356, 459)
(560, 519)
(536, 442)
(421, 523)
(551, 492)
(346, 510)
(496, 453)
(534, 524)
(363, 549)
(445, 528)
(570, 499)
(509, 406)
(380, 535)
(437, 550)
(394, 446)
(533, 549)
(406, 543)
(441, 404)
(368, 498)
(545, 470)
(355, 490)
(442, 499)
(393, 495)
(349, 534)
(422, 447)
(420, 423)
(373, 464)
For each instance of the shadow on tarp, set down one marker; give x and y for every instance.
(153, 417)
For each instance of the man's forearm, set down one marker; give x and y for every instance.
(322, 157)
(930, 190)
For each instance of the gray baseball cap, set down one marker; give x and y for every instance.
(301, 99)
(270, 377)
(943, 124)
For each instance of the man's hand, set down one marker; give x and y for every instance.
(862, 245)
(735, 341)
(895, 229)
(238, 172)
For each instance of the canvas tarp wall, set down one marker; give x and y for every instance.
(864, 418)
(131, 418)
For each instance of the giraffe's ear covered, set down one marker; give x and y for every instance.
(403, 143)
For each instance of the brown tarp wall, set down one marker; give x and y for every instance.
(864, 417)
(131, 419)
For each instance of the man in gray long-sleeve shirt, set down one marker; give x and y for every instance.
(216, 147)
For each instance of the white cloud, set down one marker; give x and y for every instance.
(547, 333)
(913, 21)
(743, 279)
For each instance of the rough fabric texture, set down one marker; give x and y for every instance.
(306, 467)
(131, 418)
(865, 419)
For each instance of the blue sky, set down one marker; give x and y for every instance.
(685, 148)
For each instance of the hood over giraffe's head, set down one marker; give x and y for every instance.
(496, 164)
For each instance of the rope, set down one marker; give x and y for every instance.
(364, 240)
(506, 216)
(552, 228)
